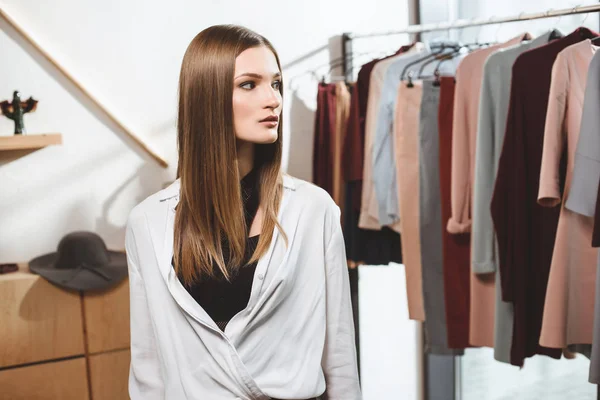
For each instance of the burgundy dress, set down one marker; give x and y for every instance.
(456, 247)
(525, 230)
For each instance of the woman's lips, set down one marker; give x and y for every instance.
(270, 124)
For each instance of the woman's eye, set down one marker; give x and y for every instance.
(277, 84)
(247, 85)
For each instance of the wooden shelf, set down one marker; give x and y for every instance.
(23, 142)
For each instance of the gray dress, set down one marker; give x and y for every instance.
(430, 224)
(493, 110)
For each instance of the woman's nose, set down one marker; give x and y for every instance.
(273, 99)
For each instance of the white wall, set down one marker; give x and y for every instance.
(487, 9)
(128, 54)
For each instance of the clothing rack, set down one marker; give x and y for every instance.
(347, 72)
(458, 24)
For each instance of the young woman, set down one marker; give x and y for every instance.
(238, 279)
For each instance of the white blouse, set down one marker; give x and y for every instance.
(295, 338)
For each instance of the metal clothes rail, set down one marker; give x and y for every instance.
(348, 37)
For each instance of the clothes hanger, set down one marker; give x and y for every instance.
(456, 48)
(436, 73)
(415, 62)
(444, 57)
(555, 34)
(433, 56)
(338, 62)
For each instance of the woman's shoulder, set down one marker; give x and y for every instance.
(309, 193)
(154, 201)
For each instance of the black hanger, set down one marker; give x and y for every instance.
(437, 81)
(477, 45)
(436, 73)
(442, 57)
(410, 64)
(555, 34)
(436, 68)
(410, 84)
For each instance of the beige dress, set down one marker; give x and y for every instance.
(342, 111)
(469, 77)
(406, 154)
(569, 306)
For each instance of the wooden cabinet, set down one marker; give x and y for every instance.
(109, 374)
(39, 321)
(64, 380)
(49, 326)
(107, 319)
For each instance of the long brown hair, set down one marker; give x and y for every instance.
(210, 204)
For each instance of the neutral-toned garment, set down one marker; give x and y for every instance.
(406, 153)
(493, 109)
(369, 212)
(456, 247)
(342, 111)
(525, 231)
(469, 75)
(177, 350)
(430, 221)
(384, 164)
(595, 359)
(583, 194)
(596, 233)
(569, 307)
(466, 114)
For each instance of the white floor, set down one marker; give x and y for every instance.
(389, 341)
(483, 378)
(390, 346)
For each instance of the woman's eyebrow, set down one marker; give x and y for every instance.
(257, 76)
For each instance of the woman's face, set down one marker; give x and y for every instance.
(256, 96)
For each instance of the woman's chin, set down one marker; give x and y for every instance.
(262, 138)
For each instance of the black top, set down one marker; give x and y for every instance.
(218, 297)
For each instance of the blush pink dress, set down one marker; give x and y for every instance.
(469, 76)
(569, 306)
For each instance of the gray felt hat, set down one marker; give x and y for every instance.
(81, 262)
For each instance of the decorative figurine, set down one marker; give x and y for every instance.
(17, 109)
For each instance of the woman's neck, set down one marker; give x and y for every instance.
(245, 157)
